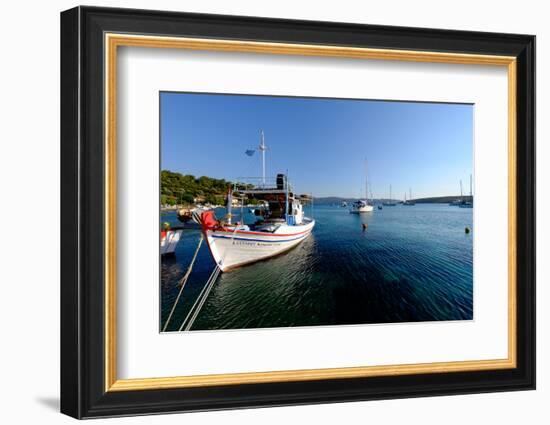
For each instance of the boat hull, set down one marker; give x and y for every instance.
(168, 241)
(365, 209)
(232, 249)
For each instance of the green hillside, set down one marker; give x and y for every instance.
(177, 188)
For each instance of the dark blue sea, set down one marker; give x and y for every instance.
(411, 264)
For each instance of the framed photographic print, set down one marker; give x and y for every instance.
(261, 212)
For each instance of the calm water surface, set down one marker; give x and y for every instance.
(413, 263)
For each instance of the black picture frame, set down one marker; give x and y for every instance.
(83, 392)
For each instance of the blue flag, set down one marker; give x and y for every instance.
(250, 152)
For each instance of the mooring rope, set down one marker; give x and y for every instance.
(201, 299)
(182, 282)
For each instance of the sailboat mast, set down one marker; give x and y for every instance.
(470, 185)
(262, 148)
(461, 190)
(366, 183)
(286, 199)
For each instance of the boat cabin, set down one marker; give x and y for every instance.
(280, 203)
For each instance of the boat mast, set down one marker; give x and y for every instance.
(471, 187)
(229, 204)
(286, 198)
(461, 196)
(366, 183)
(262, 148)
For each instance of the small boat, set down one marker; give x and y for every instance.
(409, 201)
(169, 239)
(362, 206)
(389, 202)
(467, 204)
(462, 203)
(184, 214)
(344, 204)
(379, 206)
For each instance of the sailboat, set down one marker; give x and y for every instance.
(389, 203)
(362, 206)
(410, 201)
(458, 202)
(463, 203)
(280, 225)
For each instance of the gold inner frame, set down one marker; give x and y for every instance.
(113, 41)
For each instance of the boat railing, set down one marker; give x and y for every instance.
(259, 184)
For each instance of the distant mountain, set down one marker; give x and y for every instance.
(339, 200)
(331, 200)
(443, 199)
(432, 200)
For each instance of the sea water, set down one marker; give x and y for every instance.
(410, 264)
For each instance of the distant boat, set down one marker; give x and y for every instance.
(379, 206)
(389, 203)
(344, 204)
(410, 201)
(458, 202)
(466, 204)
(362, 206)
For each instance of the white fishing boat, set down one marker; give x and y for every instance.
(362, 205)
(280, 225)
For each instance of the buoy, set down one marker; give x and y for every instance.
(364, 226)
(467, 230)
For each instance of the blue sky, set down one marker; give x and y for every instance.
(323, 143)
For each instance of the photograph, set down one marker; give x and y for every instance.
(279, 211)
(266, 209)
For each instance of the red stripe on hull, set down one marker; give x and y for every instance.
(245, 232)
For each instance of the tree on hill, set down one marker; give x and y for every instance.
(177, 188)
